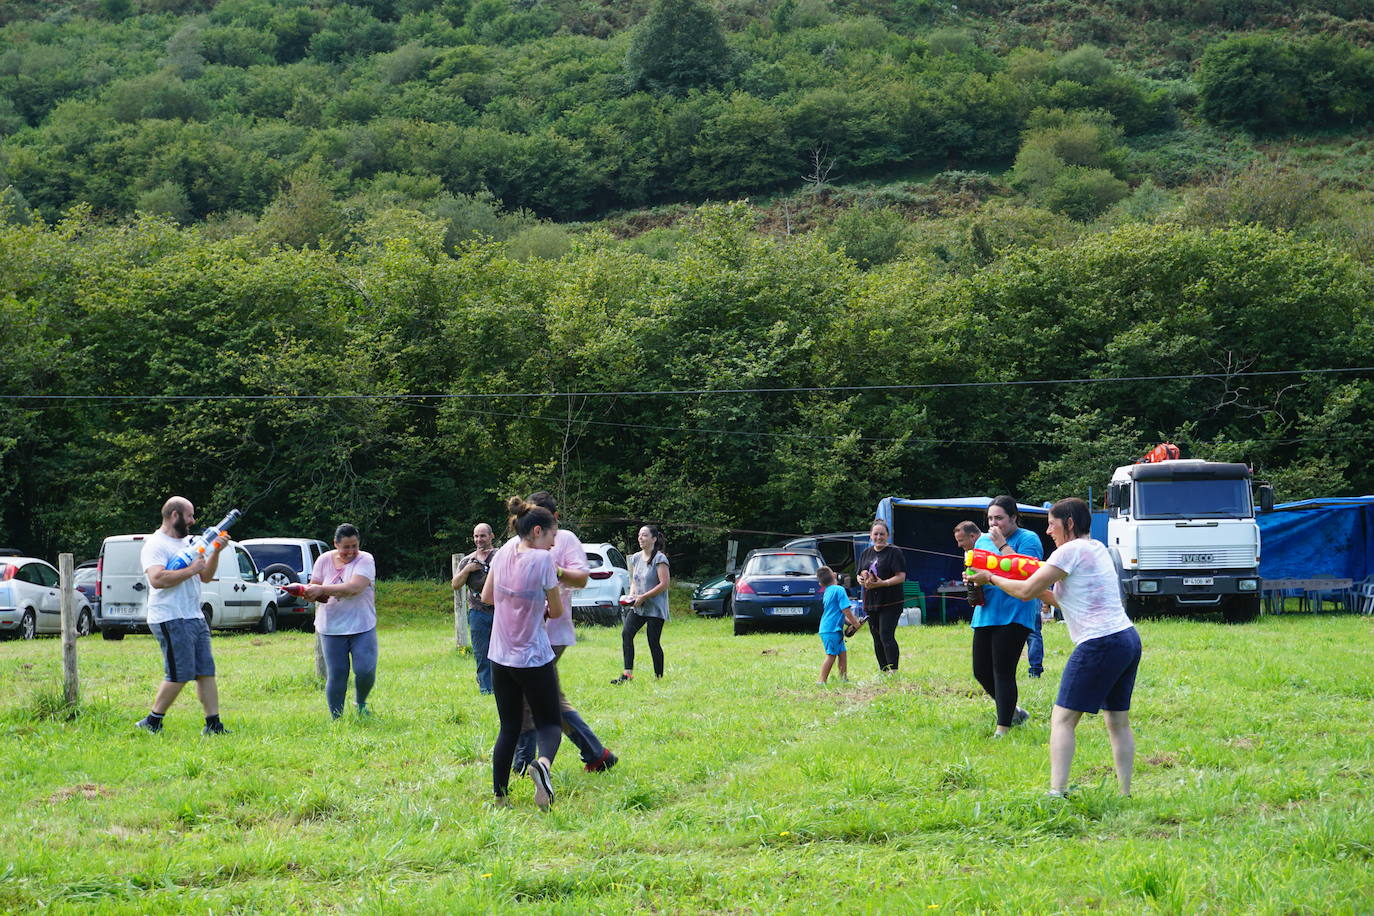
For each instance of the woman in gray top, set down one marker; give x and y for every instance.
(649, 589)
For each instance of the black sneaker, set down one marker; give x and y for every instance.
(148, 725)
(622, 679)
(216, 729)
(543, 784)
(1019, 716)
(518, 767)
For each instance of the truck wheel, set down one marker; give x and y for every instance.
(112, 635)
(209, 613)
(268, 621)
(1240, 608)
(1136, 607)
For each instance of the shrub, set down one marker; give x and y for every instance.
(1083, 193)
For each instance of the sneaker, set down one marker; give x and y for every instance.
(543, 784)
(1019, 716)
(500, 801)
(363, 711)
(519, 767)
(148, 725)
(622, 679)
(216, 729)
(602, 763)
(1035, 674)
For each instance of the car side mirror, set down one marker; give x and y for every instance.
(731, 577)
(1266, 494)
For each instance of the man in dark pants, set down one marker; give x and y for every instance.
(472, 573)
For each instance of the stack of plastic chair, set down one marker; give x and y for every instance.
(913, 599)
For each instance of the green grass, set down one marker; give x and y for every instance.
(743, 786)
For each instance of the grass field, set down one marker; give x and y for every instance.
(743, 787)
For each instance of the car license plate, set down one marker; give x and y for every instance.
(1197, 580)
(788, 611)
(120, 610)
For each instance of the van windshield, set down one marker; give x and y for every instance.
(1192, 499)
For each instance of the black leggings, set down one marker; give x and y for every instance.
(996, 652)
(514, 687)
(633, 622)
(883, 625)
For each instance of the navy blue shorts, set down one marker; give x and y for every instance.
(1100, 673)
(185, 648)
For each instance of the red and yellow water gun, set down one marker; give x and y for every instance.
(1006, 565)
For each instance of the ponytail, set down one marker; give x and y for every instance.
(526, 516)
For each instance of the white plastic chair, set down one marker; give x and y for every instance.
(1365, 591)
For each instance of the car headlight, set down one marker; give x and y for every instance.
(1248, 585)
(1149, 585)
(710, 593)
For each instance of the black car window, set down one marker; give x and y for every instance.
(617, 558)
(267, 554)
(594, 561)
(48, 575)
(246, 569)
(783, 564)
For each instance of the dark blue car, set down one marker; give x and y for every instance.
(777, 588)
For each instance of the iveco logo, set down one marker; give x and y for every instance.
(1199, 558)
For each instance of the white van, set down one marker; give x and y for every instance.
(237, 597)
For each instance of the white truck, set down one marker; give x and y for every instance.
(236, 598)
(1184, 537)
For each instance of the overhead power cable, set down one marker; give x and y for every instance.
(683, 392)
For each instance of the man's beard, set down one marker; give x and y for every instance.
(180, 526)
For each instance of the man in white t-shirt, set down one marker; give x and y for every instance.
(174, 616)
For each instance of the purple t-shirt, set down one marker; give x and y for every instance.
(518, 581)
(568, 553)
(346, 616)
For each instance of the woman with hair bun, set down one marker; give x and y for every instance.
(649, 589)
(1101, 673)
(523, 588)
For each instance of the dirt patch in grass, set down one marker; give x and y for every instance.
(1163, 761)
(86, 790)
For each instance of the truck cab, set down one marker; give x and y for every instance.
(1184, 537)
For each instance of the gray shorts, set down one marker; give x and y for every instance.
(185, 648)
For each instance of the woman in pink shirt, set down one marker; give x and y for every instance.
(523, 588)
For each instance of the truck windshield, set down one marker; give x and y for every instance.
(1192, 499)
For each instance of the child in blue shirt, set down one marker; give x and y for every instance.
(836, 610)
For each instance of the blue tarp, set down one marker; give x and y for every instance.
(1318, 539)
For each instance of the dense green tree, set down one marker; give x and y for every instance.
(677, 47)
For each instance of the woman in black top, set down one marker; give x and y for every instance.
(881, 573)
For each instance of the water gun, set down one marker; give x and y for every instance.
(200, 544)
(1006, 565)
(294, 589)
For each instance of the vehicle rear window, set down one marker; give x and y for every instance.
(267, 554)
(783, 564)
(595, 561)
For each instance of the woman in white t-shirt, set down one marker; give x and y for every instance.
(1100, 675)
(346, 619)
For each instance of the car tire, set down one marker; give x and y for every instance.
(112, 635)
(741, 627)
(279, 574)
(209, 613)
(268, 622)
(85, 624)
(307, 624)
(28, 625)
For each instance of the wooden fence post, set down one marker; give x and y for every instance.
(71, 686)
(461, 637)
